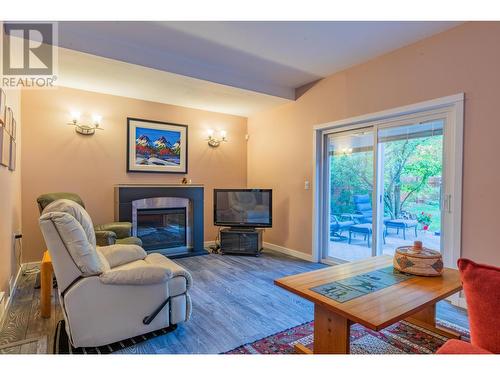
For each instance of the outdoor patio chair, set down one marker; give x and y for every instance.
(364, 229)
(402, 224)
(338, 226)
(363, 208)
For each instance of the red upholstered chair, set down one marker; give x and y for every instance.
(482, 291)
(460, 347)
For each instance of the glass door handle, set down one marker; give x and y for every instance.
(447, 203)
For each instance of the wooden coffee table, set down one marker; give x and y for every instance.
(413, 300)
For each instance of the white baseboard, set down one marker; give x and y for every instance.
(3, 306)
(287, 251)
(16, 280)
(280, 249)
(5, 302)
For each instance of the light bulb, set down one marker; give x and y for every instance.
(223, 134)
(75, 116)
(96, 120)
(210, 133)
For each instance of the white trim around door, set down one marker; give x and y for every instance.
(452, 108)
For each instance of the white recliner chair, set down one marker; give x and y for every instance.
(110, 293)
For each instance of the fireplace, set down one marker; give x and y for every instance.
(162, 228)
(163, 224)
(167, 217)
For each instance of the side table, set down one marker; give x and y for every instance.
(46, 272)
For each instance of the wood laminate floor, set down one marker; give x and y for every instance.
(234, 302)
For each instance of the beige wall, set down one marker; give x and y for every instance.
(10, 202)
(464, 59)
(55, 158)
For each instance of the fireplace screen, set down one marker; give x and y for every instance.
(163, 228)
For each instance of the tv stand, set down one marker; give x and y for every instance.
(236, 240)
(241, 229)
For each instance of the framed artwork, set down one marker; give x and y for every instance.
(3, 99)
(4, 147)
(13, 128)
(156, 147)
(12, 158)
(9, 116)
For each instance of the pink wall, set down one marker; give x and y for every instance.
(55, 158)
(464, 59)
(10, 203)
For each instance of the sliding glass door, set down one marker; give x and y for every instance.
(384, 187)
(410, 166)
(350, 168)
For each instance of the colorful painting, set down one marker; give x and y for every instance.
(356, 286)
(155, 146)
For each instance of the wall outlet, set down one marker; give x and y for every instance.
(307, 185)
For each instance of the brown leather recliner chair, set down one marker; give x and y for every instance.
(106, 234)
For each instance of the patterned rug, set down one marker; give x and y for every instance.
(400, 338)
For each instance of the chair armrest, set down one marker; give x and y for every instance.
(164, 262)
(140, 275)
(105, 237)
(122, 229)
(116, 255)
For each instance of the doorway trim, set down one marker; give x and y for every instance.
(453, 105)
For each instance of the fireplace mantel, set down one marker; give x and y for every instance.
(126, 194)
(160, 185)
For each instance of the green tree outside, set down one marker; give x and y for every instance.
(412, 178)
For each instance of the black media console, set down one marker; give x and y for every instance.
(241, 241)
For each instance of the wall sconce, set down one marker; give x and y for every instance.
(214, 141)
(85, 129)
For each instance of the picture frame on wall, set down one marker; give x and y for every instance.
(12, 157)
(156, 147)
(4, 147)
(13, 129)
(8, 117)
(3, 100)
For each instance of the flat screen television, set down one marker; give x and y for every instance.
(243, 208)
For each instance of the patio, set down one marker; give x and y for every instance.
(358, 249)
(405, 179)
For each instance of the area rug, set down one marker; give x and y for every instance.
(400, 338)
(62, 345)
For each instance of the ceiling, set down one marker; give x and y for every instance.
(267, 60)
(93, 73)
